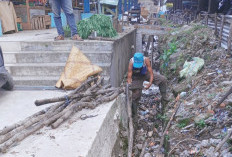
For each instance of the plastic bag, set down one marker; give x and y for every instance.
(191, 68)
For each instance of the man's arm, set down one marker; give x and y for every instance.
(148, 64)
(129, 75)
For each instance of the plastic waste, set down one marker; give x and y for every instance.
(183, 94)
(191, 68)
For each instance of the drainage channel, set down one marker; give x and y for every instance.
(151, 120)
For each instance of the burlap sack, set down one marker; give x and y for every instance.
(77, 69)
(8, 17)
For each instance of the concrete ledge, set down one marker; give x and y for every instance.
(93, 137)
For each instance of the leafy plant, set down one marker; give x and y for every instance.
(100, 23)
(200, 124)
(166, 55)
(161, 117)
(183, 123)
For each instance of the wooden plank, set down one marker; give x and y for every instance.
(215, 32)
(221, 29)
(229, 39)
(36, 23)
(32, 23)
(44, 23)
(209, 6)
(40, 23)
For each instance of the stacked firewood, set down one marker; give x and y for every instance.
(89, 95)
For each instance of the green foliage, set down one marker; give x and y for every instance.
(166, 55)
(167, 137)
(183, 123)
(100, 23)
(200, 124)
(162, 117)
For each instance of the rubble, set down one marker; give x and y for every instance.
(199, 124)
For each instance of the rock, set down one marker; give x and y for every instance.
(139, 146)
(214, 141)
(227, 155)
(205, 143)
(185, 153)
(226, 83)
(210, 152)
(147, 155)
(189, 103)
(179, 88)
(150, 133)
(201, 116)
(224, 152)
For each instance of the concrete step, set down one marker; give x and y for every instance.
(51, 57)
(44, 69)
(96, 46)
(35, 80)
(65, 45)
(41, 80)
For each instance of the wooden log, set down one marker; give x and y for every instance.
(221, 29)
(207, 19)
(68, 113)
(61, 117)
(28, 123)
(225, 96)
(143, 149)
(78, 106)
(131, 128)
(69, 96)
(215, 21)
(22, 135)
(177, 105)
(14, 126)
(223, 141)
(229, 40)
(19, 137)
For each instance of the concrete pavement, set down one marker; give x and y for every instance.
(92, 137)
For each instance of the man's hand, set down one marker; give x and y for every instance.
(129, 80)
(147, 85)
(44, 1)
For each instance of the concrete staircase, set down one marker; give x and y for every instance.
(40, 63)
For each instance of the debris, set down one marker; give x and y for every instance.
(223, 141)
(191, 68)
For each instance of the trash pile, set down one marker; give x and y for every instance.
(149, 123)
(201, 126)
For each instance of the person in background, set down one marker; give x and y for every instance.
(139, 70)
(66, 6)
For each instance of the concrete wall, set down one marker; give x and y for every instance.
(148, 30)
(122, 52)
(31, 59)
(108, 134)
